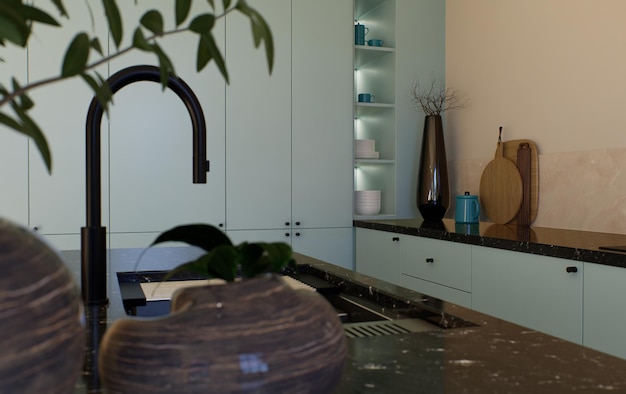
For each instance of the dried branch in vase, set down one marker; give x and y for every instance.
(436, 98)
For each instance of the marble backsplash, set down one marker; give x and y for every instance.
(577, 190)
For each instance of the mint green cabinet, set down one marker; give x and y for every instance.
(604, 309)
(538, 292)
(438, 268)
(14, 147)
(378, 254)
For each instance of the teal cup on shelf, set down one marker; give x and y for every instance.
(365, 98)
(467, 209)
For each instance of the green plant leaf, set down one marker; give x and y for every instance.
(202, 24)
(76, 56)
(226, 4)
(221, 262)
(260, 31)
(182, 11)
(207, 51)
(203, 236)
(114, 20)
(37, 15)
(10, 122)
(60, 7)
(100, 88)
(28, 127)
(153, 21)
(25, 102)
(15, 31)
(139, 41)
(262, 257)
(95, 44)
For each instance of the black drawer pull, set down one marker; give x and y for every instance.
(430, 260)
(571, 269)
(395, 239)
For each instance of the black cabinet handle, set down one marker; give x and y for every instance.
(286, 223)
(297, 234)
(221, 225)
(430, 260)
(395, 239)
(297, 223)
(571, 269)
(287, 234)
(35, 228)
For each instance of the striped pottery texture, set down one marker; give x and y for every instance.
(41, 317)
(257, 335)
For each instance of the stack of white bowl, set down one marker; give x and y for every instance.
(365, 149)
(367, 202)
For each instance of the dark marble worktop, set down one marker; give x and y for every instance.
(494, 356)
(568, 244)
(476, 353)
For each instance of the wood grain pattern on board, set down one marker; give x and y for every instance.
(510, 152)
(501, 188)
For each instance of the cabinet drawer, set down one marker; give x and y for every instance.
(438, 291)
(441, 262)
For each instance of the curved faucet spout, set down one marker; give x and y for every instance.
(93, 236)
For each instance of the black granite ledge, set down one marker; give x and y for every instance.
(565, 244)
(488, 356)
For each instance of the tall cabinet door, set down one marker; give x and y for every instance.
(151, 137)
(322, 119)
(57, 201)
(14, 147)
(258, 123)
(322, 113)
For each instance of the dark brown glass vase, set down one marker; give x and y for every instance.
(433, 188)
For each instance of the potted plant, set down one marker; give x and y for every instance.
(253, 334)
(433, 188)
(41, 311)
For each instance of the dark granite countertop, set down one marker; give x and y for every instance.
(488, 356)
(567, 244)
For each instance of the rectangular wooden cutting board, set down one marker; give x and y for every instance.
(510, 152)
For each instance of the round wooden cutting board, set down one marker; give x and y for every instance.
(501, 189)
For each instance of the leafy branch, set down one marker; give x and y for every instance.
(435, 98)
(17, 21)
(222, 259)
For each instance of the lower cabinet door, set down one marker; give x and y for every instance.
(444, 293)
(538, 292)
(378, 254)
(332, 245)
(604, 309)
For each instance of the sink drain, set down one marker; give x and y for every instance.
(375, 329)
(387, 327)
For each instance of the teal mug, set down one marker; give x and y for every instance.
(467, 209)
(365, 98)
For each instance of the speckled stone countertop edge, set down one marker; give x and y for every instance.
(566, 244)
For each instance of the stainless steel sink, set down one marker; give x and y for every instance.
(361, 316)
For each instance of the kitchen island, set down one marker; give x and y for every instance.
(476, 353)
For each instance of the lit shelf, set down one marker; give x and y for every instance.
(363, 109)
(359, 162)
(364, 55)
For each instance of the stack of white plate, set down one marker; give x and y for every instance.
(367, 202)
(365, 149)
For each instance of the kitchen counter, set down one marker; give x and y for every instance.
(567, 244)
(488, 355)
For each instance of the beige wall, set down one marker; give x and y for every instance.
(553, 71)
